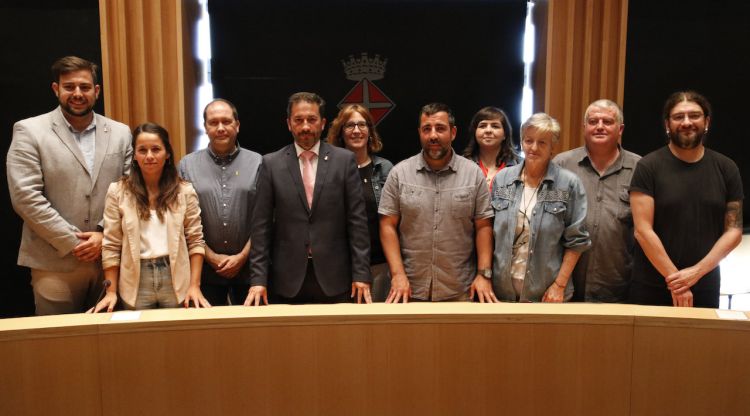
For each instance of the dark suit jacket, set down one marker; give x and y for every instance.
(335, 228)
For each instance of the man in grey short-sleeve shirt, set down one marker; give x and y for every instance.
(435, 223)
(605, 168)
(223, 175)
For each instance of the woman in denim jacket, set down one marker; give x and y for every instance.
(539, 221)
(353, 128)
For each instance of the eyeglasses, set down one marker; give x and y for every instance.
(351, 125)
(692, 116)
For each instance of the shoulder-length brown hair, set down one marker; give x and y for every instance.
(336, 131)
(507, 151)
(169, 183)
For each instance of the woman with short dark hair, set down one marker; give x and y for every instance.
(491, 142)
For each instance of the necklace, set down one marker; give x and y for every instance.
(532, 196)
(365, 163)
(526, 190)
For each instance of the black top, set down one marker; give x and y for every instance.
(373, 221)
(690, 201)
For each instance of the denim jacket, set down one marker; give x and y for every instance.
(380, 170)
(557, 224)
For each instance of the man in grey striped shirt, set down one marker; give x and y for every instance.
(224, 177)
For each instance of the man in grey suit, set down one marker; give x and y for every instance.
(59, 166)
(309, 229)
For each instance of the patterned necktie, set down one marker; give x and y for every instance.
(308, 178)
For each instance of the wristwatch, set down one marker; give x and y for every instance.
(487, 273)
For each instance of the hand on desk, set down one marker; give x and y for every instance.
(362, 292)
(108, 302)
(255, 295)
(482, 286)
(195, 297)
(400, 289)
(554, 294)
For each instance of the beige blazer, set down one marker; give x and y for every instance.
(52, 189)
(122, 239)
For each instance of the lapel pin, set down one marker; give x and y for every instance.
(326, 157)
(105, 129)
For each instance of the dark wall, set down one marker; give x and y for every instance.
(34, 37)
(467, 54)
(676, 45)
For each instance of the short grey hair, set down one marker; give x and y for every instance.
(606, 104)
(543, 123)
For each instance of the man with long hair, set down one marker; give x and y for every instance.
(687, 209)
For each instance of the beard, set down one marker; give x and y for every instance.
(437, 154)
(78, 113)
(687, 140)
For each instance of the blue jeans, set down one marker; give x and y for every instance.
(155, 289)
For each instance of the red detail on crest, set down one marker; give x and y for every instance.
(369, 95)
(355, 95)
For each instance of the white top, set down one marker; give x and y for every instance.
(522, 238)
(153, 237)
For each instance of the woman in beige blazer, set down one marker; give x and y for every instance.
(153, 239)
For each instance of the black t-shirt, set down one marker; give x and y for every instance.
(373, 221)
(690, 201)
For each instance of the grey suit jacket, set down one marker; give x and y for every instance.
(52, 189)
(335, 228)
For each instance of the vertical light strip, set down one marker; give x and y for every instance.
(527, 100)
(205, 91)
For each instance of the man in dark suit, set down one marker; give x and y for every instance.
(310, 242)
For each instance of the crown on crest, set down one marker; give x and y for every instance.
(357, 69)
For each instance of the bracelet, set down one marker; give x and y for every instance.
(558, 284)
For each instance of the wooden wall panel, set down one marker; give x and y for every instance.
(58, 375)
(324, 368)
(581, 59)
(148, 65)
(673, 373)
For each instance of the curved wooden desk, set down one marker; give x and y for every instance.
(461, 358)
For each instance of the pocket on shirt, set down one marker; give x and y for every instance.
(553, 220)
(624, 213)
(500, 204)
(412, 201)
(461, 205)
(556, 208)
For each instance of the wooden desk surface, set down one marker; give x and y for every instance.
(418, 358)
(375, 313)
